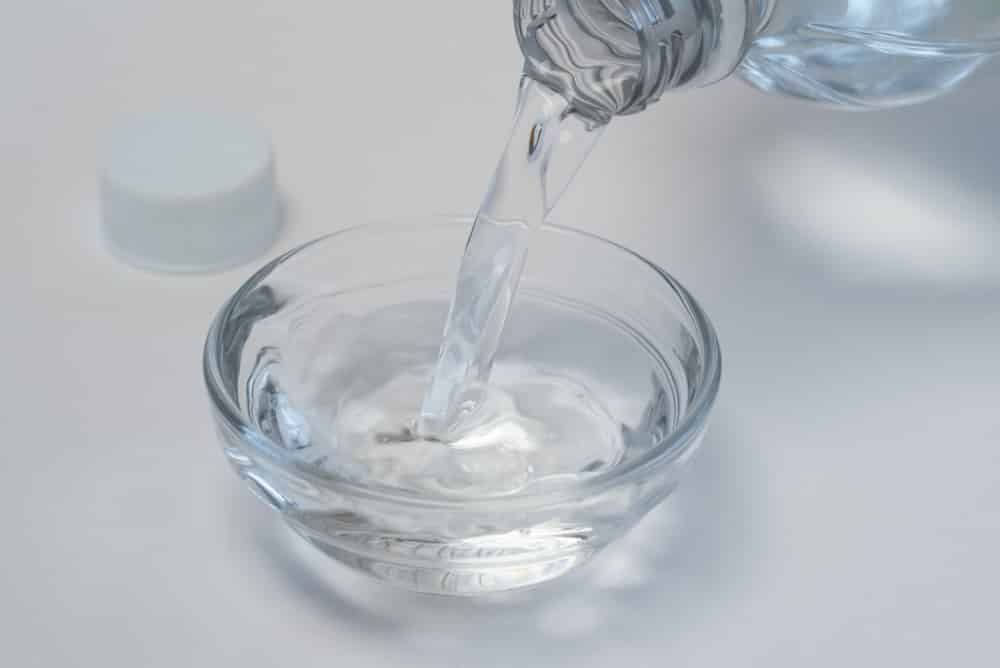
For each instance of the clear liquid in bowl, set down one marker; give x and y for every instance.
(570, 395)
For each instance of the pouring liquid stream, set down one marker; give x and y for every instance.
(547, 146)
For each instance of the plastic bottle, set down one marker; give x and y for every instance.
(613, 57)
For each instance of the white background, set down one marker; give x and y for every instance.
(845, 509)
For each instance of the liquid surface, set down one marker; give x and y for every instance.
(528, 424)
(570, 395)
(546, 147)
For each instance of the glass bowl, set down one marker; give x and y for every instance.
(291, 355)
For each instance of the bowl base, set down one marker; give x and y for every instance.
(390, 559)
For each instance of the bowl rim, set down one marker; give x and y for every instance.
(560, 491)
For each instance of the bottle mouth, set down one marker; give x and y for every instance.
(611, 57)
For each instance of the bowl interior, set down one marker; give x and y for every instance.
(345, 330)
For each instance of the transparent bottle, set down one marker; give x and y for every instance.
(613, 57)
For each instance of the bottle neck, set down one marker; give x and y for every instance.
(612, 57)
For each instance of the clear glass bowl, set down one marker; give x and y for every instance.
(289, 355)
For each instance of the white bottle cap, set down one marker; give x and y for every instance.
(189, 192)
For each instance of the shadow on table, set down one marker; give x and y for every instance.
(904, 201)
(695, 551)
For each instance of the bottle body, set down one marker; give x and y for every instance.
(617, 56)
(870, 54)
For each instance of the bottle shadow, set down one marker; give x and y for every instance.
(732, 183)
(901, 200)
(693, 553)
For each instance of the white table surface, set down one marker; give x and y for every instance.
(845, 509)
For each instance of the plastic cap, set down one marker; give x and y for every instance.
(189, 192)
